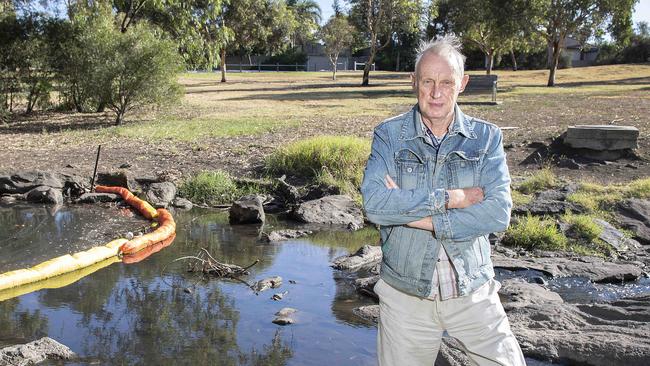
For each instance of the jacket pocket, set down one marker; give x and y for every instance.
(410, 169)
(463, 169)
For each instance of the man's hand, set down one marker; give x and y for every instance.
(461, 198)
(458, 198)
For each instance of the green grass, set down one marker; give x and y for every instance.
(601, 199)
(520, 199)
(333, 160)
(639, 188)
(539, 181)
(201, 128)
(583, 226)
(214, 188)
(542, 233)
(532, 232)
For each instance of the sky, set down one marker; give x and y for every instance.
(641, 10)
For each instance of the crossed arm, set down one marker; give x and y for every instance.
(458, 198)
(470, 212)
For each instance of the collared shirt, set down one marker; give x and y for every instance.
(444, 283)
(433, 139)
(473, 157)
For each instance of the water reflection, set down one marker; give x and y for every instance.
(18, 325)
(32, 234)
(127, 314)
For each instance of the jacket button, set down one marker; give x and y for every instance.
(462, 165)
(409, 170)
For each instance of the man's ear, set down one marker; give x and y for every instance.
(463, 82)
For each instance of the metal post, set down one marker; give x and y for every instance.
(92, 182)
(277, 66)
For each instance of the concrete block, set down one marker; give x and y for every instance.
(602, 137)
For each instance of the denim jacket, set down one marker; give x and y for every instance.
(471, 155)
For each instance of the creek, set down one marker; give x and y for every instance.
(154, 312)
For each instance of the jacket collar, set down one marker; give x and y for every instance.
(412, 126)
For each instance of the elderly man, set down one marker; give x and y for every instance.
(437, 184)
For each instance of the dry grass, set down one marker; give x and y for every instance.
(224, 125)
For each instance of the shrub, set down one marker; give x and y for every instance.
(332, 160)
(213, 188)
(143, 71)
(23, 62)
(543, 179)
(101, 66)
(532, 232)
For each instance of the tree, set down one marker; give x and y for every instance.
(142, 71)
(24, 68)
(308, 16)
(558, 19)
(494, 26)
(196, 26)
(261, 26)
(642, 30)
(337, 35)
(380, 20)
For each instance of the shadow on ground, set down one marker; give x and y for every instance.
(56, 122)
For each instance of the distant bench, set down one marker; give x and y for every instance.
(480, 83)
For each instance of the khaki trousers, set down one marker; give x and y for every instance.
(411, 327)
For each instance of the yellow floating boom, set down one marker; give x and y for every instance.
(72, 263)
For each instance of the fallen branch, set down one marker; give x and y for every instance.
(205, 264)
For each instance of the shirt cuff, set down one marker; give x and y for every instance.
(438, 201)
(441, 225)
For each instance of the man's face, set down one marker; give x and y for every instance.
(437, 88)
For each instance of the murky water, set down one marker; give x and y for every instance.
(32, 234)
(129, 313)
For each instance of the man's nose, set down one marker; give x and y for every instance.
(435, 91)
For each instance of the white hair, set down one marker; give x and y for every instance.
(448, 46)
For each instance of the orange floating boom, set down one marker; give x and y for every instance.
(148, 251)
(163, 236)
(143, 207)
(166, 223)
(166, 228)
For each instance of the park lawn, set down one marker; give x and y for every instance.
(254, 103)
(235, 125)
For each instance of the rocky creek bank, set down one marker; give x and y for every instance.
(548, 327)
(316, 207)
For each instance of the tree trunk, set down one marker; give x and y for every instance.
(366, 69)
(119, 116)
(397, 60)
(223, 65)
(554, 62)
(334, 62)
(489, 60)
(514, 59)
(101, 106)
